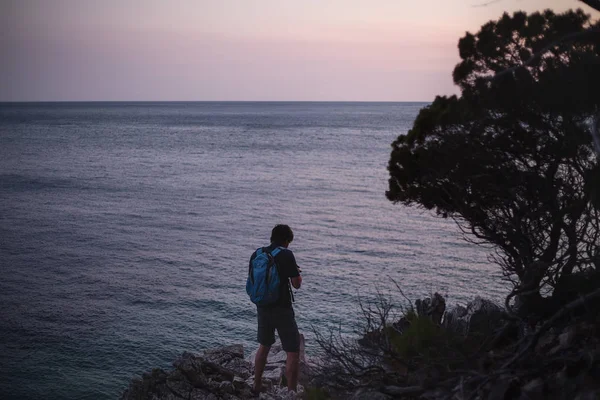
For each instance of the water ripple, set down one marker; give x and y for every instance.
(125, 231)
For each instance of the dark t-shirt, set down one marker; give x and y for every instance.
(287, 268)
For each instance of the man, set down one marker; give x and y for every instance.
(280, 315)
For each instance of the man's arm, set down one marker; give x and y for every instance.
(296, 281)
(293, 270)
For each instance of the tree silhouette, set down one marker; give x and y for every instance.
(512, 159)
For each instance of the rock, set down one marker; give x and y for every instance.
(224, 354)
(273, 372)
(432, 308)
(275, 368)
(281, 393)
(266, 383)
(187, 362)
(178, 383)
(190, 366)
(226, 387)
(276, 354)
(455, 320)
(486, 317)
(198, 394)
(480, 317)
(238, 383)
(369, 394)
(214, 374)
(231, 358)
(239, 367)
(181, 388)
(534, 389)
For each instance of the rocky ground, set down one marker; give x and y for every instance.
(487, 357)
(222, 373)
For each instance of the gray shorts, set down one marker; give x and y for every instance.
(282, 319)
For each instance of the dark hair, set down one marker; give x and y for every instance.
(281, 234)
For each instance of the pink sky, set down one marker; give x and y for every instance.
(322, 50)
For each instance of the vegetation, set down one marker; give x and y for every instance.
(512, 159)
(394, 356)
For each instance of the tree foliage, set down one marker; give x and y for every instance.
(512, 159)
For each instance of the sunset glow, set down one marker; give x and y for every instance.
(352, 50)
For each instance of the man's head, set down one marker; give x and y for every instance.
(282, 235)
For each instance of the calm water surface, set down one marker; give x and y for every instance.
(125, 230)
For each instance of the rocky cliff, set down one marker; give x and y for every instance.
(222, 373)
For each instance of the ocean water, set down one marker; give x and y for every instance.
(126, 228)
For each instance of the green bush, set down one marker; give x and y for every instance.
(422, 337)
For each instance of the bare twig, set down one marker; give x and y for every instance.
(486, 3)
(401, 292)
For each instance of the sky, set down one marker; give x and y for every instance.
(239, 50)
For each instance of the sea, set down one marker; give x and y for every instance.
(126, 229)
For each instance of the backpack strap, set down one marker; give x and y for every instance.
(272, 255)
(276, 251)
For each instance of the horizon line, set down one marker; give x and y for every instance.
(212, 101)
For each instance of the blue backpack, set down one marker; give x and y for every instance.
(263, 278)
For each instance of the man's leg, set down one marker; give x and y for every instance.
(265, 337)
(290, 341)
(259, 365)
(291, 370)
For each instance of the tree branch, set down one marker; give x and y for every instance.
(571, 37)
(595, 4)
